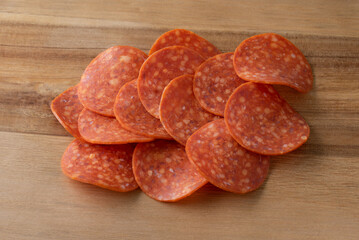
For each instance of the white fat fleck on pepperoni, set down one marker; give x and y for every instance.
(186, 121)
(258, 139)
(216, 134)
(304, 138)
(275, 135)
(221, 175)
(219, 99)
(125, 59)
(114, 81)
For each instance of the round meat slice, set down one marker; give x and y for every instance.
(272, 59)
(163, 171)
(108, 167)
(214, 81)
(223, 162)
(180, 112)
(159, 69)
(98, 129)
(106, 74)
(182, 37)
(66, 107)
(133, 116)
(263, 122)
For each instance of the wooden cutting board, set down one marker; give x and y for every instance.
(311, 193)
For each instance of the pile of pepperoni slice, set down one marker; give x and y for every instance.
(183, 116)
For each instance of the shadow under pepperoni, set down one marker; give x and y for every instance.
(210, 195)
(97, 196)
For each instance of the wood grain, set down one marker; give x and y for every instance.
(311, 193)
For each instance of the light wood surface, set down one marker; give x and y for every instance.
(312, 193)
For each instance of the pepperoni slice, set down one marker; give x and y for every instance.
(98, 129)
(272, 59)
(66, 107)
(223, 162)
(108, 167)
(214, 81)
(106, 74)
(133, 116)
(180, 112)
(159, 69)
(163, 171)
(182, 37)
(263, 122)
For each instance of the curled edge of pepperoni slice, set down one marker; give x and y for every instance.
(267, 124)
(289, 68)
(133, 116)
(98, 129)
(186, 38)
(106, 166)
(180, 112)
(66, 107)
(225, 163)
(218, 76)
(163, 171)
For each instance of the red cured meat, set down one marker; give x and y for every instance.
(180, 112)
(108, 167)
(272, 59)
(214, 81)
(98, 129)
(163, 171)
(182, 37)
(159, 69)
(133, 116)
(223, 162)
(263, 122)
(106, 74)
(66, 107)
